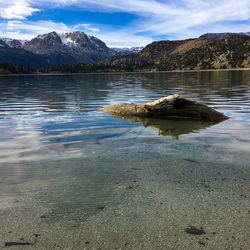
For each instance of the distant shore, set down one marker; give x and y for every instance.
(125, 72)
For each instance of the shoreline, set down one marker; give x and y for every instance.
(127, 72)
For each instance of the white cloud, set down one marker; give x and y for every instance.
(86, 26)
(143, 7)
(28, 30)
(16, 9)
(11, 25)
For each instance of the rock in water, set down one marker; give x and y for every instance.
(171, 105)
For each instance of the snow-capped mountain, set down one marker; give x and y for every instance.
(14, 43)
(84, 48)
(76, 47)
(128, 51)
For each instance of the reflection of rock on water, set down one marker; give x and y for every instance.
(171, 126)
(179, 114)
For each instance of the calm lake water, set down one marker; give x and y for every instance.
(72, 177)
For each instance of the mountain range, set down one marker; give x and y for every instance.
(53, 49)
(211, 50)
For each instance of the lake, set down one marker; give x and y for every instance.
(73, 177)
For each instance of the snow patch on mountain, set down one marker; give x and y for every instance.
(14, 43)
(66, 40)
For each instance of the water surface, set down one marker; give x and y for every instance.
(72, 177)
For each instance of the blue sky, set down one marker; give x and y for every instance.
(124, 23)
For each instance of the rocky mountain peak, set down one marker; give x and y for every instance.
(73, 43)
(13, 43)
(80, 39)
(44, 44)
(77, 37)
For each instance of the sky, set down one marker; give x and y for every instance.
(124, 23)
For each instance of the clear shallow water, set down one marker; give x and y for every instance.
(83, 179)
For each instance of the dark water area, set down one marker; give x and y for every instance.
(73, 177)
